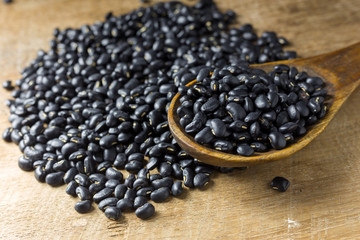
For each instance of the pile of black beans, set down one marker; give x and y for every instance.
(238, 109)
(91, 112)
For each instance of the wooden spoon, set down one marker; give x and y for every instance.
(339, 69)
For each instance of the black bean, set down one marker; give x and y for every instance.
(62, 165)
(129, 181)
(32, 153)
(194, 126)
(102, 194)
(7, 84)
(314, 105)
(211, 105)
(288, 127)
(83, 206)
(71, 188)
(277, 140)
(55, 179)
(258, 146)
(163, 182)
(177, 188)
(97, 178)
(112, 183)
(113, 213)
(279, 183)
(108, 141)
(262, 102)
(107, 202)
(244, 150)
(112, 173)
(120, 190)
(83, 193)
(143, 173)
(40, 173)
(201, 180)
(236, 111)
(96, 187)
(293, 113)
(130, 194)
(145, 211)
(315, 81)
(25, 164)
(140, 183)
(125, 204)
(160, 195)
(218, 128)
(251, 117)
(188, 177)
(70, 174)
(139, 201)
(165, 169)
(204, 136)
(133, 166)
(82, 179)
(223, 145)
(7, 134)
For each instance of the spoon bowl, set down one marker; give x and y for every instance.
(339, 69)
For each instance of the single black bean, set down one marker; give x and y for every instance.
(258, 146)
(188, 177)
(204, 136)
(201, 180)
(125, 204)
(113, 213)
(112, 173)
(210, 105)
(112, 183)
(194, 126)
(82, 179)
(262, 102)
(244, 150)
(223, 145)
(163, 182)
(145, 211)
(71, 188)
(97, 178)
(108, 141)
(102, 194)
(55, 179)
(160, 195)
(140, 183)
(120, 190)
(25, 164)
(96, 187)
(277, 140)
(83, 206)
(130, 194)
(177, 188)
(236, 111)
(218, 128)
(40, 173)
(139, 201)
(279, 183)
(107, 202)
(83, 193)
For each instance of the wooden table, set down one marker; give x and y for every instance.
(323, 201)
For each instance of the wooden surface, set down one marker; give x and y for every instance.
(323, 201)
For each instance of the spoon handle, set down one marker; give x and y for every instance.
(343, 64)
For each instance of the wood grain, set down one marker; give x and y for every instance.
(321, 203)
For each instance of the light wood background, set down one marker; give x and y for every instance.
(323, 201)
